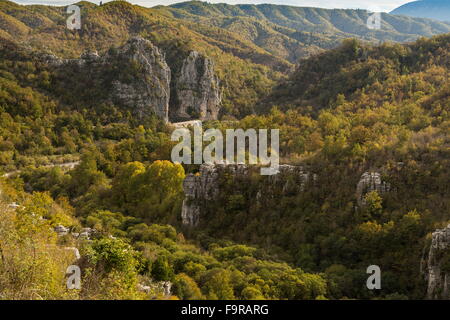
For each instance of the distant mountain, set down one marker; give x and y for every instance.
(295, 32)
(433, 9)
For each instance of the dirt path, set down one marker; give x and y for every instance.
(66, 165)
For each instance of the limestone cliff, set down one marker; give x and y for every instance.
(150, 89)
(197, 91)
(437, 265)
(134, 77)
(209, 184)
(137, 78)
(208, 187)
(370, 181)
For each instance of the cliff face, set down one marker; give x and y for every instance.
(150, 89)
(209, 185)
(437, 269)
(197, 90)
(134, 77)
(201, 187)
(137, 78)
(370, 181)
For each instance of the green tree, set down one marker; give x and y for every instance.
(186, 288)
(161, 270)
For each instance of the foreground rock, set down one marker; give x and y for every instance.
(86, 233)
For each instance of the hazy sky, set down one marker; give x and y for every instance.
(381, 5)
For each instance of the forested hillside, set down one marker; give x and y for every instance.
(356, 118)
(295, 32)
(245, 70)
(364, 140)
(354, 71)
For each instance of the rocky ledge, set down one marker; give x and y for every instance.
(137, 78)
(207, 185)
(197, 90)
(437, 265)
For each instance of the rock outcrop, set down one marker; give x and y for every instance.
(207, 186)
(61, 230)
(437, 270)
(370, 181)
(137, 78)
(197, 90)
(86, 233)
(197, 188)
(156, 288)
(150, 88)
(134, 77)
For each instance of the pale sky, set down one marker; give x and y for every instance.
(374, 5)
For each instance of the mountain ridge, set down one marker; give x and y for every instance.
(432, 9)
(297, 32)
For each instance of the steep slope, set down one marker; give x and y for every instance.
(41, 237)
(354, 69)
(364, 139)
(432, 9)
(250, 46)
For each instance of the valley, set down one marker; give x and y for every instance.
(86, 124)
